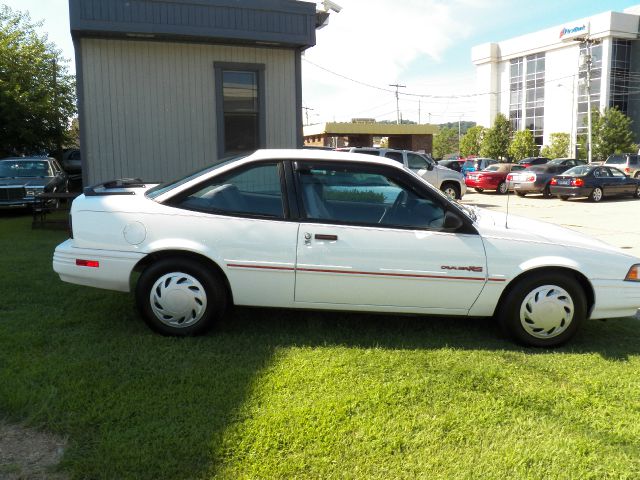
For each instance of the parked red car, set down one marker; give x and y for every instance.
(492, 178)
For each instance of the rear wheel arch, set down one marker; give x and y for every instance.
(177, 255)
(453, 185)
(579, 277)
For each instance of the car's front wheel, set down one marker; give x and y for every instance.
(503, 188)
(178, 297)
(637, 192)
(543, 310)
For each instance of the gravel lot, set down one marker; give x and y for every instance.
(615, 221)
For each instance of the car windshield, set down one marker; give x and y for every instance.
(579, 170)
(24, 168)
(616, 159)
(165, 187)
(469, 164)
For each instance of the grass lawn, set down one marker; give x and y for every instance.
(277, 394)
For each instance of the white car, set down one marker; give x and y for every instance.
(336, 231)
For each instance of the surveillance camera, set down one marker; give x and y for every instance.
(329, 5)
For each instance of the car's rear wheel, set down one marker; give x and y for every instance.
(544, 309)
(564, 198)
(479, 190)
(502, 188)
(637, 192)
(596, 194)
(178, 297)
(451, 190)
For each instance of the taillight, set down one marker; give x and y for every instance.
(531, 178)
(553, 181)
(87, 263)
(509, 178)
(627, 170)
(577, 182)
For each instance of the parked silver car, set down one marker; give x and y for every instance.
(450, 182)
(629, 163)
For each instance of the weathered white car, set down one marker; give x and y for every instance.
(321, 230)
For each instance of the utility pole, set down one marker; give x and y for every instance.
(419, 112)
(459, 136)
(397, 99)
(306, 114)
(589, 63)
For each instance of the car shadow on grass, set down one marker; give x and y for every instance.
(616, 339)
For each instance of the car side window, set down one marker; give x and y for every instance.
(616, 173)
(633, 159)
(397, 156)
(416, 162)
(253, 191)
(356, 196)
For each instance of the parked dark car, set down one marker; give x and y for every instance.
(594, 182)
(21, 179)
(452, 164)
(72, 160)
(536, 179)
(531, 161)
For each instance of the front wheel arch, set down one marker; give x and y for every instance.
(581, 279)
(177, 254)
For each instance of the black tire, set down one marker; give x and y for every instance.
(564, 198)
(596, 194)
(636, 194)
(479, 190)
(520, 194)
(503, 188)
(516, 309)
(202, 292)
(449, 189)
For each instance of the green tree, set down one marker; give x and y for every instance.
(523, 145)
(37, 94)
(445, 142)
(559, 146)
(495, 143)
(610, 133)
(471, 141)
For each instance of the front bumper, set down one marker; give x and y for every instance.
(615, 299)
(113, 272)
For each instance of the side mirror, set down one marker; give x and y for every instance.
(430, 166)
(452, 221)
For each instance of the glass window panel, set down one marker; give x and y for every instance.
(240, 91)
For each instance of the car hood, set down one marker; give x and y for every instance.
(26, 182)
(526, 230)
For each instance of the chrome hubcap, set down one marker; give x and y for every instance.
(546, 312)
(178, 299)
(450, 193)
(502, 188)
(597, 194)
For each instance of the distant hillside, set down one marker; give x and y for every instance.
(464, 126)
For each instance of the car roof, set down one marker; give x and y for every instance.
(300, 154)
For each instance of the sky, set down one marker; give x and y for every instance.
(423, 44)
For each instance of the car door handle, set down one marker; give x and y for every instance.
(321, 236)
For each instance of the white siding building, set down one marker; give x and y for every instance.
(538, 81)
